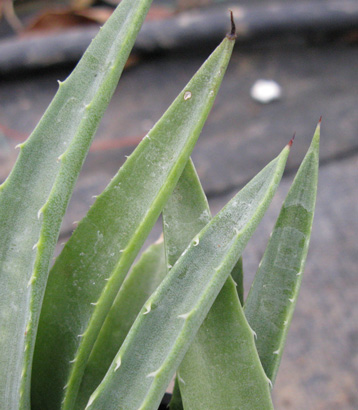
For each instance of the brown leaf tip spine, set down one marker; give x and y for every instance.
(232, 35)
(320, 120)
(291, 140)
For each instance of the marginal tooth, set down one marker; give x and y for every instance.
(39, 213)
(90, 401)
(254, 333)
(292, 300)
(184, 316)
(118, 363)
(196, 241)
(35, 246)
(181, 379)
(31, 281)
(276, 351)
(148, 309)
(60, 158)
(153, 374)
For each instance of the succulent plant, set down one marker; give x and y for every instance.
(94, 332)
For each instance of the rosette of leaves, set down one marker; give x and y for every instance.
(94, 332)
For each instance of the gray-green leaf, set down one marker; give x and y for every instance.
(34, 198)
(167, 324)
(272, 298)
(138, 286)
(86, 277)
(224, 344)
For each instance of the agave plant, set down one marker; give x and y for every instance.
(95, 332)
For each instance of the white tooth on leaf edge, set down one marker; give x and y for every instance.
(118, 363)
(148, 309)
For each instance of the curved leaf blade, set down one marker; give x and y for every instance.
(224, 344)
(222, 369)
(87, 275)
(138, 286)
(272, 298)
(34, 197)
(167, 324)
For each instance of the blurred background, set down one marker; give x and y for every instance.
(294, 61)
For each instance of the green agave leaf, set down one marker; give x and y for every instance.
(176, 401)
(34, 197)
(237, 276)
(222, 369)
(185, 214)
(168, 322)
(86, 277)
(138, 286)
(224, 344)
(271, 301)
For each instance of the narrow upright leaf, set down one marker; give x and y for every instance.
(224, 344)
(34, 197)
(86, 277)
(272, 298)
(147, 360)
(222, 369)
(138, 286)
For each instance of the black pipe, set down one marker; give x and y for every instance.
(189, 29)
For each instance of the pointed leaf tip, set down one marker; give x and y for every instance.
(320, 120)
(291, 141)
(232, 35)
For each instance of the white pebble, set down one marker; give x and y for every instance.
(265, 91)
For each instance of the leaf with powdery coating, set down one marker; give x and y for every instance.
(89, 272)
(34, 198)
(272, 298)
(138, 286)
(224, 343)
(147, 360)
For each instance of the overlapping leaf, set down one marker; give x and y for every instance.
(138, 286)
(272, 298)
(87, 275)
(224, 344)
(148, 359)
(35, 196)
